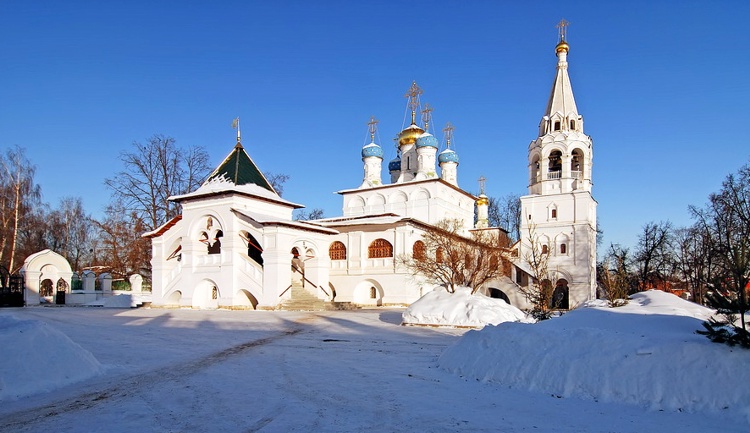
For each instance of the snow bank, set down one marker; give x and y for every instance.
(123, 300)
(460, 308)
(38, 358)
(646, 353)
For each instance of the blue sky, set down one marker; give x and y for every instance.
(663, 87)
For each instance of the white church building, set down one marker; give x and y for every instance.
(236, 245)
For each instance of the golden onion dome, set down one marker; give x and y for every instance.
(562, 46)
(483, 200)
(409, 135)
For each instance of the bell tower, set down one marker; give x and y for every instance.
(558, 216)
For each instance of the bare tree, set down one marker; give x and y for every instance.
(70, 231)
(653, 254)
(451, 257)
(19, 195)
(539, 291)
(695, 259)
(614, 277)
(277, 181)
(726, 219)
(153, 172)
(313, 214)
(120, 249)
(505, 212)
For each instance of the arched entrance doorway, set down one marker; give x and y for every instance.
(499, 294)
(560, 299)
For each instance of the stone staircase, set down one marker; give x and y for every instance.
(302, 300)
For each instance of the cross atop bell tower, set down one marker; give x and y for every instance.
(562, 30)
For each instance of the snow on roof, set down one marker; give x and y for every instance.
(372, 219)
(271, 220)
(411, 182)
(221, 184)
(163, 228)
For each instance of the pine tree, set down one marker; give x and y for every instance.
(725, 330)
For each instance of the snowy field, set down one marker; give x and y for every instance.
(153, 370)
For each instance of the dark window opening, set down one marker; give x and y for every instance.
(499, 294)
(215, 247)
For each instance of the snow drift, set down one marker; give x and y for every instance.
(461, 308)
(646, 353)
(121, 300)
(38, 358)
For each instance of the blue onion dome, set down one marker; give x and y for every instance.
(427, 140)
(448, 155)
(395, 164)
(372, 149)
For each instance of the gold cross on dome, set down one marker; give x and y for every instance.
(427, 116)
(448, 130)
(562, 29)
(482, 180)
(372, 126)
(413, 95)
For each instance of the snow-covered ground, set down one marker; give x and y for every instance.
(246, 371)
(645, 353)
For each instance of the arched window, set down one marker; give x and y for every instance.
(337, 251)
(535, 170)
(62, 285)
(45, 289)
(545, 249)
(572, 125)
(576, 164)
(439, 255)
(215, 247)
(373, 293)
(554, 213)
(563, 249)
(214, 293)
(254, 250)
(555, 160)
(557, 125)
(379, 248)
(418, 250)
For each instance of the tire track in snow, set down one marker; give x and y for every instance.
(132, 385)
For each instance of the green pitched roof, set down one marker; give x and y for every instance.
(240, 169)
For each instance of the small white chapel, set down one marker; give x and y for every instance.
(236, 245)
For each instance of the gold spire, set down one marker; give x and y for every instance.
(372, 126)
(413, 95)
(562, 32)
(427, 116)
(448, 130)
